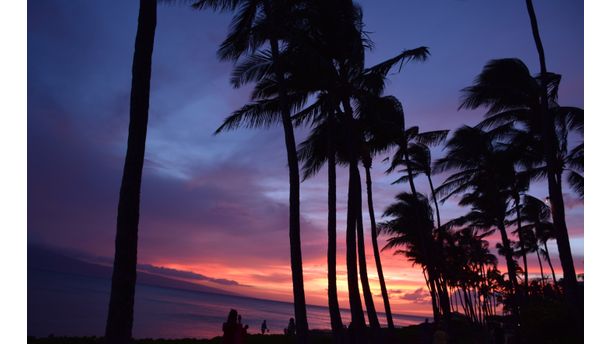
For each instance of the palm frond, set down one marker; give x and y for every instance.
(241, 38)
(252, 68)
(259, 114)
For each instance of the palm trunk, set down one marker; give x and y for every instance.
(404, 147)
(540, 263)
(299, 299)
(433, 196)
(121, 305)
(432, 292)
(379, 269)
(511, 268)
(517, 202)
(357, 318)
(363, 270)
(552, 270)
(554, 183)
(443, 299)
(332, 288)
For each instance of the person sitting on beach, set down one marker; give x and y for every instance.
(264, 327)
(231, 328)
(290, 330)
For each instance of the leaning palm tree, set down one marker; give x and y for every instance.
(411, 220)
(121, 304)
(412, 153)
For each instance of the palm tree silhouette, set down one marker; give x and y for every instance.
(413, 154)
(411, 221)
(553, 178)
(258, 22)
(121, 305)
(322, 145)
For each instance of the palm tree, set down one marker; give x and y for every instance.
(553, 178)
(414, 155)
(121, 305)
(323, 145)
(411, 221)
(256, 23)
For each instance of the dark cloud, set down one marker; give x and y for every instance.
(160, 270)
(419, 296)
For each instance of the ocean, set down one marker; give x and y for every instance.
(66, 304)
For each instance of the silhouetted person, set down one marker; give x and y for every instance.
(264, 327)
(231, 328)
(290, 330)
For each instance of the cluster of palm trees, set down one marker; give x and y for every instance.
(306, 59)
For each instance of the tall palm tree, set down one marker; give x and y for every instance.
(121, 305)
(258, 22)
(553, 179)
(322, 145)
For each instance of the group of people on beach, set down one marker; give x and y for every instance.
(233, 330)
(235, 333)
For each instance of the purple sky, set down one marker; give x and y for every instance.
(218, 205)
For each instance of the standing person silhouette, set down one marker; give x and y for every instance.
(231, 328)
(264, 327)
(290, 330)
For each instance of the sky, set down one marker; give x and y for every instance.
(217, 205)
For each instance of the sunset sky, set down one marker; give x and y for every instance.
(217, 205)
